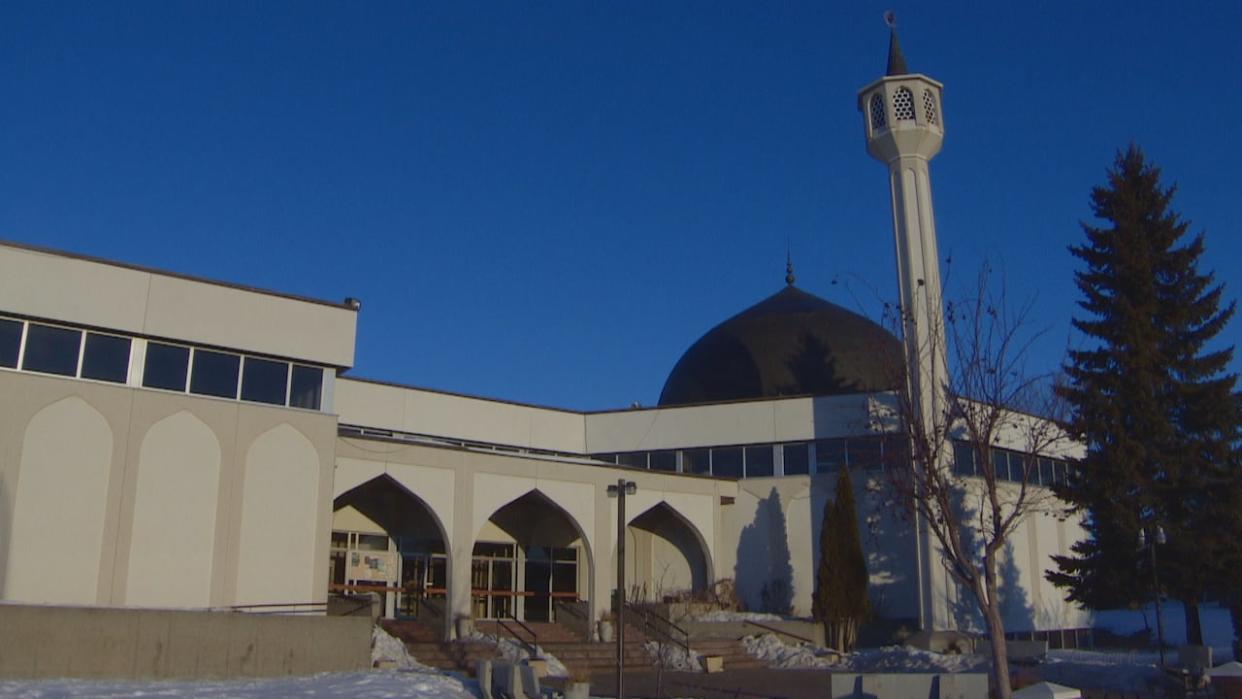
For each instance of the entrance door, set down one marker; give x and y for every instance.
(538, 584)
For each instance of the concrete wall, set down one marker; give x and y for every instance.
(143, 302)
(119, 496)
(97, 643)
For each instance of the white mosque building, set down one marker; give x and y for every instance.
(168, 441)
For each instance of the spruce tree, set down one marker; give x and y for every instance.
(840, 601)
(1152, 402)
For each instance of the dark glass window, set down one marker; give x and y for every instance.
(263, 381)
(797, 459)
(864, 452)
(829, 455)
(637, 459)
(1017, 467)
(10, 342)
(215, 374)
(759, 461)
(608, 458)
(52, 350)
(166, 366)
(727, 462)
(963, 459)
(1045, 471)
(307, 387)
(1000, 461)
(696, 461)
(106, 358)
(664, 461)
(896, 452)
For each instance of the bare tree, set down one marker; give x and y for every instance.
(952, 484)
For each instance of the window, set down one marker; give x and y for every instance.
(10, 342)
(727, 462)
(696, 461)
(896, 452)
(1000, 461)
(864, 453)
(663, 461)
(52, 350)
(797, 459)
(759, 461)
(215, 374)
(963, 459)
(264, 381)
(1017, 467)
(307, 389)
(637, 459)
(106, 358)
(829, 455)
(166, 366)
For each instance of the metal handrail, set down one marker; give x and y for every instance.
(782, 632)
(650, 620)
(532, 647)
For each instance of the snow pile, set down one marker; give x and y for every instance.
(337, 685)
(514, 652)
(726, 615)
(387, 649)
(671, 656)
(801, 656)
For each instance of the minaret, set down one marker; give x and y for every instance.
(904, 127)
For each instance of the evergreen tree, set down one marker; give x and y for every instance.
(1152, 402)
(840, 601)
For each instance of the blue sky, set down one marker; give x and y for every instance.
(550, 201)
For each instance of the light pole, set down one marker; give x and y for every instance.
(619, 491)
(1144, 542)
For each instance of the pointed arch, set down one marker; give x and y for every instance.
(666, 552)
(56, 540)
(175, 502)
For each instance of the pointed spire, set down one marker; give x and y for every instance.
(896, 59)
(789, 275)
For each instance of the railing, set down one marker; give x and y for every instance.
(660, 626)
(532, 646)
(780, 632)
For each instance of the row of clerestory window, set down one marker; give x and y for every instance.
(100, 356)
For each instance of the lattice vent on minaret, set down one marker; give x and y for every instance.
(929, 107)
(877, 112)
(903, 104)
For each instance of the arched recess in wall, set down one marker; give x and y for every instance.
(62, 498)
(174, 533)
(541, 533)
(665, 553)
(279, 518)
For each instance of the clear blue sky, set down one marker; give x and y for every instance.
(550, 201)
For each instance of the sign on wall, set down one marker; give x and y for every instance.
(373, 566)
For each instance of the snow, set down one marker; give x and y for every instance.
(720, 615)
(389, 650)
(805, 656)
(375, 684)
(777, 653)
(671, 656)
(1217, 628)
(514, 652)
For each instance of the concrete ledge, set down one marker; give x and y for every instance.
(963, 685)
(100, 643)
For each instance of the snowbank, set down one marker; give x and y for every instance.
(805, 656)
(725, 615)
(341, 685)
(673, 657)
(777, 653)
(515, 652)
(387, 649)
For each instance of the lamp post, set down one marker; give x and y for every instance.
(1151, 543)
(619, 491)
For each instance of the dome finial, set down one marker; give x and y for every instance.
(896, 59)
(789, 275)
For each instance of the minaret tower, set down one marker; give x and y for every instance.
(904, 126)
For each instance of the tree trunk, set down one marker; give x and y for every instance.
(996, 631)
(1194, 629)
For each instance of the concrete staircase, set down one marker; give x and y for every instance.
(732, 651)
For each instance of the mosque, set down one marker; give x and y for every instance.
(176, 442)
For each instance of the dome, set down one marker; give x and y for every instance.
(791, 343)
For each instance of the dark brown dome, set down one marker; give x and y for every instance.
(791, 343)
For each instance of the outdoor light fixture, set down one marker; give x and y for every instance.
(619, 491)
(1151, 543)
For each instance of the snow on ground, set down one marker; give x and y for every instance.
(339, 685)
(726, 615)
(1217, 628)
(788, 655)
(387, 649)
(673, 657)
(515, 652)
(777, 653)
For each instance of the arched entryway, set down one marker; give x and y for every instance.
(387, 540)
(530, 561)
(664, 556)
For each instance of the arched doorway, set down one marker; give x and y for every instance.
(386, 540)
(531, 561)
(664, 556)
